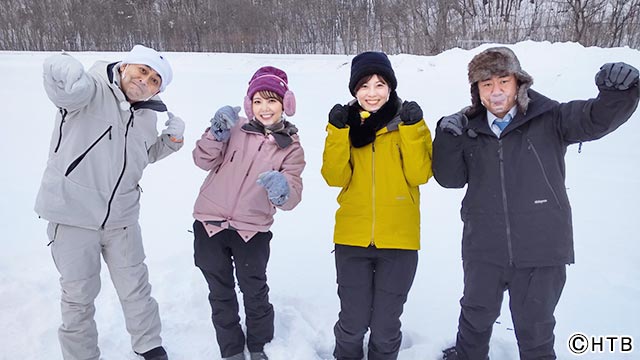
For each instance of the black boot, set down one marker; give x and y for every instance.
(157, 353)
(258, 355)
(450, 353)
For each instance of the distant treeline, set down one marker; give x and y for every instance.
(422, 27)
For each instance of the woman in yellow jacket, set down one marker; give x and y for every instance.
(378, 150)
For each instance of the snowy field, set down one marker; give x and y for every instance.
(603, 287)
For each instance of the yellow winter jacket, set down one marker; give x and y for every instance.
(380, 199)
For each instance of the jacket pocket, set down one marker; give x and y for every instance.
(471, 158)
(52, 232)
(544, 172)
(79, 159)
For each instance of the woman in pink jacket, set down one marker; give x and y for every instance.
(254, 167)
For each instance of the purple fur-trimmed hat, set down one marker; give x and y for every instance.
(272, 79)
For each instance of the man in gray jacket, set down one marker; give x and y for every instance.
(508, 148)
(104, 136)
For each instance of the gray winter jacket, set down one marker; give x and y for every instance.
(516, 209)
(99, 148)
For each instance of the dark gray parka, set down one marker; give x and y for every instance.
(516, 210)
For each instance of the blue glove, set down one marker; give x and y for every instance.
(454, 124)
(276, 185)
(223, 121)
(617, 76)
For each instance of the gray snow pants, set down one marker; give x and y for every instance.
(76, 253)
(533, 296)
(373, 285)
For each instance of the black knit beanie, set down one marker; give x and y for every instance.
(369, 63)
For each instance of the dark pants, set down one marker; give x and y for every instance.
(533, 293)
(216, 256)
(373, 285)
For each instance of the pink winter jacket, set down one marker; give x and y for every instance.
(230, 194)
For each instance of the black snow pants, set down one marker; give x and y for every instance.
(216, 257)
(533, 293)
(373, 285)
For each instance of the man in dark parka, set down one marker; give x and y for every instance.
(508, 148)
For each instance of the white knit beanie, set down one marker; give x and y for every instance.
(146, 56)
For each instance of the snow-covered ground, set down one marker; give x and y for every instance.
(603, 287)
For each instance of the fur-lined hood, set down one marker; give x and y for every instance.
(498, 61)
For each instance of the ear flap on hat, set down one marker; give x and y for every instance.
(288, 105)
(522, 98)
(476, 103)
(248, 109)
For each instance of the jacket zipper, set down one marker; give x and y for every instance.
(55, 235)
(79, 159)
(373, 193)
(505, 206)
(64, 113)
(124, 166)
(544, 173)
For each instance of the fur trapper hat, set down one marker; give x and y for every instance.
(497, 61)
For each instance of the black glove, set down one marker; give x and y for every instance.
(454, 124)
(338, 116)
(617, 76)
(410, 113)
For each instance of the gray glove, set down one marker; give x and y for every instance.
(223, 121)
(64, 72)
(617, 76)
(174, 128)
(276, 185)
(454, 123)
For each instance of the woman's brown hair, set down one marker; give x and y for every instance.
(268, 94)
